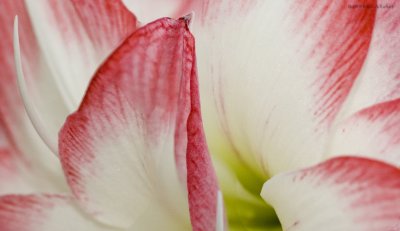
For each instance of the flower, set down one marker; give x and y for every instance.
(285, 109)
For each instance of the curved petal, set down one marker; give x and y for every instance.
(44, 213)
(149, 10)
(274, 71)
(35, 161)
(118, 149)
(372, 132)
(340, 194)
(379, 80)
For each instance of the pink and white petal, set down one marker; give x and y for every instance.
(373, 132)
(201, 179)
(118, 149)
(379, 79)
(274, 71)
(75, 37)
(44, 213)
(150, 10)
(19, 176)
(22, 141)
(346, 193)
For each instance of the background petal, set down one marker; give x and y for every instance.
(32, 159)
(44, 213)
(372, 132)
(149, 10)
(274, 75)
(76, 37)
(379, 80)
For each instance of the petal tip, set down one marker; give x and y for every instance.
(188, 19)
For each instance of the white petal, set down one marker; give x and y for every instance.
(44, 213)
(372, 132)
(150, 10)
(340, 194)
(274, 75)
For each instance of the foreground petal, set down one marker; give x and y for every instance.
(201, 179)
(372, 132)
(276, 71)
(44, 213)
(118, 149)
(340, 194)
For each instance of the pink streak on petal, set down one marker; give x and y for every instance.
(202, 182)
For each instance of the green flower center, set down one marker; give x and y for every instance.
(245, 209)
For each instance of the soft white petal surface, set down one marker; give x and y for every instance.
(274, 75)
(372, 132)
(44, 213)
(340, 194)
(150, 10)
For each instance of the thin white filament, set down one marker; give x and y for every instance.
(29, 106)
(220, 213)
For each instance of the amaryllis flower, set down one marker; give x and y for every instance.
(292, 92)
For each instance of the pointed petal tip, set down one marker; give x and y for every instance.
(188, 19)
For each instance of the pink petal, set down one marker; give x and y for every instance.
(44, 213)
(277, 71)
(379, 79)
(344, 193)
(201, 179)
(372, 132)
(118, 150)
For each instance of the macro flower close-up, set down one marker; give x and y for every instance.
(248, 115)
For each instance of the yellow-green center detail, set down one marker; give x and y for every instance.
(245, 209)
